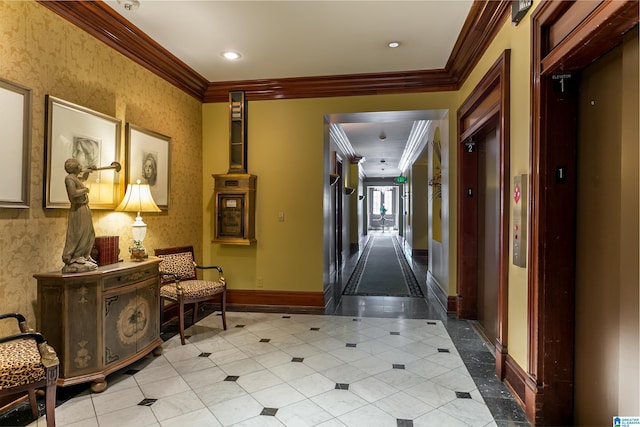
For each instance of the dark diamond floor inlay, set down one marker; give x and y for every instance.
(351, 345)
(315, 329)
(394, 333)
(265, 340)
(398, 366)
(404, 423)
(239, 326)
(341, 386)
(147, 402)
(269, 411)
(204, 355)
(463, 395)
(431, 323)
(232, 378)
(443, 350)
(297, 359)
(286, 317)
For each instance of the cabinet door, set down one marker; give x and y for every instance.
(131, 320)
(149, 297)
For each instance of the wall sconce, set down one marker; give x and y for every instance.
(138, 199)
(349, 190)
(333, 178)
(361, 197)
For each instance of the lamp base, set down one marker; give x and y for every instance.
(138, 254)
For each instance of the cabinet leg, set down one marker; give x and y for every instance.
(157, 351)
(98, 386)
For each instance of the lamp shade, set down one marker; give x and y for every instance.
(138, 199)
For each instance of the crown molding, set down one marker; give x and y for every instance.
(105, 24)
(95, 17)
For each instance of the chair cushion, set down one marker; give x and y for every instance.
(192, 289)
(20, 363)
(180, 264)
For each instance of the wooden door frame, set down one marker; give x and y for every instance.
(566, 37)
(488, 106)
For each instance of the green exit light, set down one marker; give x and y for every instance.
(401, 179)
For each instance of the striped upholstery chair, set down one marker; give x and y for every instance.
(26, 364)
(180, 283)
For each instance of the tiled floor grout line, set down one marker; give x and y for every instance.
(411, 332)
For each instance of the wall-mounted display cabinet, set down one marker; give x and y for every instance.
(234, 216)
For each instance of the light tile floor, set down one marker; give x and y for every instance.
(271, 369)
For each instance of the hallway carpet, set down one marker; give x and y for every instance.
(382, 270)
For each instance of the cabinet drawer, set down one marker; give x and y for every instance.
(126, 278)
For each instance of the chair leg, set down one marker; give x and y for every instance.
(195, 313)
(181, 321)
(223, 308)
(50, 404)
(33, 403)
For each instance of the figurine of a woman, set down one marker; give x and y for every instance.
(80, 234)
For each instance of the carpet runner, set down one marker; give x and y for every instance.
(382, 270)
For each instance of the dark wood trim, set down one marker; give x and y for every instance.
(484, 21)
(340, 85)
(105, 24)
(275, 298)
(452, 304)
(551, 246)
(603, 27)
(515, 379)
(487, 106)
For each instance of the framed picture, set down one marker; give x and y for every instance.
(88, 136)
(148, 160)
(15, 145)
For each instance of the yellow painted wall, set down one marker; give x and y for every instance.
(518, 39)
(285, 151)
(44, 52)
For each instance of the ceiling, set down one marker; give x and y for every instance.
(283, 39)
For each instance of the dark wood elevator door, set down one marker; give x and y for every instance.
(488, 232)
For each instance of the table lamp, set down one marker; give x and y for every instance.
(138, 199)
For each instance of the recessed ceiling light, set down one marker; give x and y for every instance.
(231, 56)
(393, 44)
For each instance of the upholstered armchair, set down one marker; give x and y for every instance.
(180, 283)
(26, 364)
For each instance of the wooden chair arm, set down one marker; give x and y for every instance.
(212, 267)
(22, 321)
(209, 267)
(48, 356)
(33, 335)
(173, 275)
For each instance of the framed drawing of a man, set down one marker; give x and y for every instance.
(149, 160)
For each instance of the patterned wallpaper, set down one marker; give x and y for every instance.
(44, 52)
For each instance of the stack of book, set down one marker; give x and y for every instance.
(106, 249)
